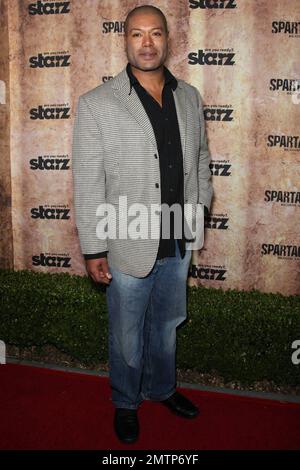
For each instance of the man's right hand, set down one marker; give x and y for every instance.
(98, 270)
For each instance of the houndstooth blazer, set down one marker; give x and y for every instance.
(115, 154)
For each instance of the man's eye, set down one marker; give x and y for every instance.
(135, 34)
(157, 33)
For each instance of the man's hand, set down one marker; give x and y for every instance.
(98, 270)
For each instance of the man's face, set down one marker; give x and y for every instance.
(146, 41)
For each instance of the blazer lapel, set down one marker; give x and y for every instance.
(133, 104)
(180, 103)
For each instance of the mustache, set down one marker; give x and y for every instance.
(148, 52)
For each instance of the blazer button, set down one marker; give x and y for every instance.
(156, 185)
(155, 155)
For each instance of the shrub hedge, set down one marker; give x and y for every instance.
(244, 336)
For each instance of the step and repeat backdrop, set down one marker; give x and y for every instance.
(242, 55)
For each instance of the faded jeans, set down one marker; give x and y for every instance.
(143, 316)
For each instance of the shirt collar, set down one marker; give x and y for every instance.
(169, 78)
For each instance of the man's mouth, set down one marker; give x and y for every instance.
(148, 55)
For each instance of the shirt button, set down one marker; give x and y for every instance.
(166, 119)
(171, 190)
(156, 185)
(170, 166)
(169, 142)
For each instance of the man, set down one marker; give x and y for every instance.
(141, 135)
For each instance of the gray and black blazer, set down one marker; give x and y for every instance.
(114, 151)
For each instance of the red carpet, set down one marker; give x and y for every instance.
(47, 409)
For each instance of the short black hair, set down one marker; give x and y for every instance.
(145, 8)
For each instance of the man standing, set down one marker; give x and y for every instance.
(141, 136)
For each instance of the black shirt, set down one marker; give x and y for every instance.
(165, 126)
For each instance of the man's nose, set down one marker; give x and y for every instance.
(147, 40)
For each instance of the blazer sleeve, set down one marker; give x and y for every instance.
(88, 177)
(204, 173)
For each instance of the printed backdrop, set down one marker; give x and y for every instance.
(242, 55)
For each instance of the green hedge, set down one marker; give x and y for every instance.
(244, 336)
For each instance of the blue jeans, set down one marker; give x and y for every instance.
(143, 315)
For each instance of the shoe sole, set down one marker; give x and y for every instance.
(177, 413)
(128, 440)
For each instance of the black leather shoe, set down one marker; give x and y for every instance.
(126, 425)
(181, 406)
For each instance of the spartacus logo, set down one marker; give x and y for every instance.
(284, 198)
(212, 4)
(292, 28)
(217, 221)
(50, 112)
(50, 212)
(285, 84)
(49, 60)
(220, 168)
(212, 273)
(281, 251)
(287, 142)
(218, 113)
(52, 260)
(212, 57)
(113, 27)
(50, 162)
(48, 8)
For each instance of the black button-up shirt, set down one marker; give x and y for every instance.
(165, 126)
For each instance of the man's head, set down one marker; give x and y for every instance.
(146, 38)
